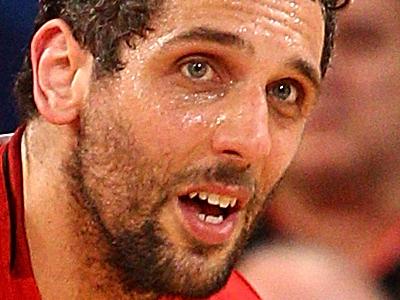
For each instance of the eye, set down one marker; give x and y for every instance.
(284, 92)
(198, 70)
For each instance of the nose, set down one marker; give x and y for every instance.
(244, 135)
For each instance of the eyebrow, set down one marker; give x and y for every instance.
(306, 69)
(214, 36)
(230, 39)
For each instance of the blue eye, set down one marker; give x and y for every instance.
(283, 91)
(197, 70)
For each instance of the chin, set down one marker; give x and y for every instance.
(147, 262)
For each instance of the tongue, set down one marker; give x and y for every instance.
(210, 210)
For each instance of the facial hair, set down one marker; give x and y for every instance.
(124, 194)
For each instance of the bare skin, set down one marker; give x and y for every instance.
(195, 101)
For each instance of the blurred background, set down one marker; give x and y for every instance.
(336, 216)
(342, 192)
(16, 22)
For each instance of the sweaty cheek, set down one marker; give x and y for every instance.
(172, 134)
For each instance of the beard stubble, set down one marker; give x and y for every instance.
(124, 195)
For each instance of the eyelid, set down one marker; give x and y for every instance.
(293, 82)
(195, 57)
(301, 106)
(208, 59)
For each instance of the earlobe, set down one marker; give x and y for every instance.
(62, 71)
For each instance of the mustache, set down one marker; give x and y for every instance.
(224, 173)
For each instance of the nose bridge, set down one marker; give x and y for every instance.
(245, 132)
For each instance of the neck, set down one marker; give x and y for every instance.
(67, 249)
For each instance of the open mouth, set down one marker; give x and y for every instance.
(211, 208)
(209, 217)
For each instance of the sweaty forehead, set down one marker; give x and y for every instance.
(287, 24)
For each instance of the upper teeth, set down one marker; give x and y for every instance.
(214, 199)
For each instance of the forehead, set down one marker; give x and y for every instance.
(292, 26)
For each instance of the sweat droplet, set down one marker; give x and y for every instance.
(294, 5)
(242, 29)
(289, 39)
(190, 119)
(220, 120)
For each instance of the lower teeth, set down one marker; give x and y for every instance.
(211, 219)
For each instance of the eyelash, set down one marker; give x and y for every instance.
(298, 108)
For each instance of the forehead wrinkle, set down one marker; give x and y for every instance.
(288, 10)
(203, 33)
(283, 25)
(283, 15)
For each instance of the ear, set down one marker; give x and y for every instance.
(62, 72)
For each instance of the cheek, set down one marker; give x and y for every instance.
(285, 143)
(170, 133)
(173, 134)
(162, 121)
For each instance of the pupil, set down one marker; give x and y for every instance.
(197, 69)
(283, 91)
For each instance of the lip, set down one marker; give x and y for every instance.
(211, 234)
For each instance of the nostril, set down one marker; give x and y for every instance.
(232, 152)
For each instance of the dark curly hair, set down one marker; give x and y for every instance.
(102, 25)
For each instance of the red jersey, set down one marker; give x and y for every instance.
(17, 281)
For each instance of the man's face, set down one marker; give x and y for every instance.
(179, 151)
